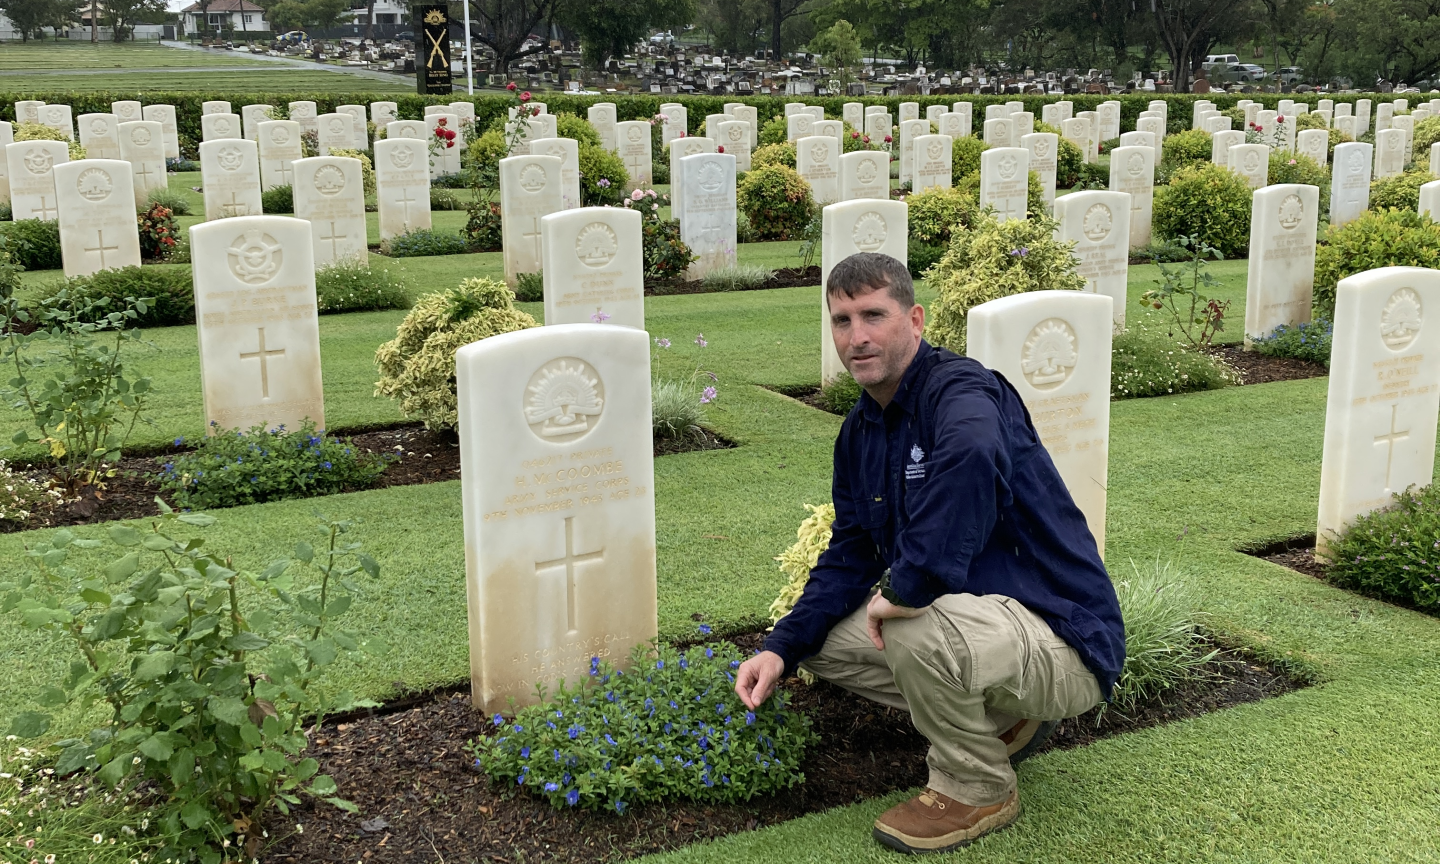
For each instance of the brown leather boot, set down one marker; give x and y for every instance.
(932, 822)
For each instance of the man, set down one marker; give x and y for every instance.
(994, 615)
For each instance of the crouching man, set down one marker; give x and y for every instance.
(961, 583)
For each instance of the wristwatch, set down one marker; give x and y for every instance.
(889, 593)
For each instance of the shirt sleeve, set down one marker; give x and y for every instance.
(840, 580)
(953, 510)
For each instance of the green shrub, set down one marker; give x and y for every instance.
(744, 231)
(169, 294)
(992, 260)
(1309, 341)
(776, 200)
(1069, 164)
(774, 154)
(351, 286)
(1336, 137)
(484, 229)
(1164, 644)
(1384, 238)
(367, 169)
(1400, 191)
(1308, 120)
(675, 412)
(629, 738)
(840, 395)
(602, 177)
(7, 213)
(423, 242)
(9, 270)
(1427, 132)
(568, 125)
(1205, 201)
(738, 277)
(229, 467)
(965, 156)
(159, 233)
(1161, 252)
(936, 213)
(278, 200)
(1034, 199)
(530, 287)
(41, 132)
(1184, 149)
(172, 199)
(1287, 167)
(445, 199)
(772, 131)
(1147, 362)
(1393, 552)
(482, 158)
(417, 367)
(34, 243)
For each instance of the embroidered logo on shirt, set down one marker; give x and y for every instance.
(916, 469)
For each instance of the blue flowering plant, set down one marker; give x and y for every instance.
(1393, 552)
(669, 728)
(229, 468)
(1308, 341)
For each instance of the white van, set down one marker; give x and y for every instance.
(1221, 59)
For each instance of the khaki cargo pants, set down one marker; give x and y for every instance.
(967, 670)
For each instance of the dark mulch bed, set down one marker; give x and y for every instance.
(1297, 553)
(425, 457)
(1257, 368)
(807, 393)
(785, 277)
(419, 796)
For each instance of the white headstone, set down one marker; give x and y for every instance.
(1362, 116)
(735, 138)
(708, 226)
(1346, 126)
(712, 125)
(279, 148)
(1349, 182)
(7, 137)
(1384, 113)
(1000, 133)
(1281, 275)
(877, 126)
(1004, 181)
(1050, 115)
(750, 115)
(676, 121)
(932, 159)
(634, 143)
(1344, 109)
(100, 136)
(679, 149)
(214, 127)
(965, 110)
(996, 112)
(529, 189)
(1054, 348)
(865, 174)
(1132, 171)
(408, 129)
(909, 111)
(402, 186)
(1313, 143)
(933, 112)
(594, 267)
(567, 150)
(1221, 143)
(1099, 224)
(28, 110)
(1389, 152)
(305, 113)
(1380, 413)
(32, 182)
(853, 113)
(251, 116)
(1109, 114)
(334, 132)
(97, 216)
(214, 106)
(1430, 200)
(448, 159)
(834, 128)
(255, 313)
(383, 113)
(1014, 107)
(954, 124)
(1044, 147)
(798, 126)
(817, 159)
(1406, 124)
(230, 172)
(1092, 149)
(1217, 123)
(1077, 131)
(359, 131)
(602, 117)
(793, 108)
(1022, 124)
(165, 116)
(1251, 161)
(142, 144)
(330, 195)
(555, 575)
(847, 228)
(59, 118)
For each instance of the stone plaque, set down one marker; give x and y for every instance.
(330, 195)
(594, 267)
(230, 170)
(97, 216)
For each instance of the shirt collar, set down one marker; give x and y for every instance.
(905, 394)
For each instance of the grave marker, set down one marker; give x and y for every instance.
(59, 118)
(798, 126)
(634, 142)
(1043, 148)
(735, 138)
(529, 189)
(125, 110)
(708, 227)
(932, 162)
(214, 127)
(1281, 274)
(1098, 223)
(142, 144)
(165, 116)
(230, 172)
(330, 195)
(1132, 171)
(1251, 161)
(567, 150)
(1314, 143)
(594, 267)
(214, 106)
(1389, 153)
(305, 113)
(1221, 143)
(251, 116)
(279, 148)
(953, 124)
(28, 110)
(817, 160)
(679, 149)
(1350, 182)
(1004, 181)
(865, 174)
(100, 136)
(402, 186)
(602, 117)
(360, 132)
(1430, 200)
(335, 132)
(999, 133)
(97, 216)
(32, 182)
(7, 137)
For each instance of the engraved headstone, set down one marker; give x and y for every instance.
(142, 144)
(708, 226)
(909, 131)
(1313, 143)
(125, 110)
(954, 124)
(1221, 143)
(1362, 116)
(334, 132)
(230, 171)
(1251, 161)
(567, 150)
(1077, 131)
(1406, 124)
(735, 138)
(402, 186)
(877, 127)
(28, 110)
(1380, 413)
(32, 182)
(100, 136)
(1389, 153)
(909, 111)
(712, 125)
(846, 228)
(594, 267)
(933, 112)
(214, 127)
(1430, 200)
(1132, 171)
(1346, 126)
(676, 119)
(1054, 348)
(555, 574)
(214, 106)
(751, 116)
(1022, 123)
(1098, 223)
(1384, 113)
(1044, 147)
(359, 131)
(255, 315)
(996, 112)
(1000, 133)
(853, 113)
(383, 113)
(97, 216)
(305, 113)
(633, 137)
(280, 147)
(251, 116)
(1109, 115)
(59, 118)
(932, 157)
(1092, 130)
(1004, 181)
(967, 111)
(1349, 182)
(817, 160)
(798, 126)
(170, 132)
(1281, 275)
(330, 195)
(865, 174)
(679, 149)
(529, 189)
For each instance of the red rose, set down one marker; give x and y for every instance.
(525, 97)
(510, 86)
(442, 121)
(720, 149)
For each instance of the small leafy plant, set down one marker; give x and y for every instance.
(1146, 362)
(172, 199)
(670, 728)
(170, 296)
(530, 287)
(158, 232)
(230, 468)
(1163, 640)
(424, 242)
(740, 277)
(840, 395)
(163, 644)
(1393, 552)
(1309, 341)
(34, 243)
(1196, 316)
(349, 285)
(278, 200)
(677, 408)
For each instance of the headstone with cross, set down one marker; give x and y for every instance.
(170, 130)
(529, 189)
(679, 149)
(1389, 153)
(330, 193)
(1380, 414)
(32, 181)
(1349, 181)
(97, 216)
(1132, 171)
(255, 314)
(1005, 181)
(860, 225)
(1281, 274)
(100, 136)
(602, 116)
(142, 144)
(594, 267)
(633, 140)
(402, 186)
(230, 171)
(558, 489)
(1044, 150)
(1054, 349)
(214, 127)
(817, 161)
(1098, 223)
(280, 146)
(708, 223)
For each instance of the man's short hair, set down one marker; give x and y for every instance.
(864, 272)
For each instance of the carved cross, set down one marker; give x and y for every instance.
(569, 562)
(263, 356)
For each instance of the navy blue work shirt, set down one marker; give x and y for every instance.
(950, 488)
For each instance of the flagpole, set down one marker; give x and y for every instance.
(469, 72)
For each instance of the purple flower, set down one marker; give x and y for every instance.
(498, 720)
(600, 317)
(572, 797)
(524, 752)
(709, 653)
(704, 629)
(708, 396)
(619, 806)
(662, 342)
(594, 665)
(1020, 253)
(180, 442)
(603, 183)
(700, 340)
(749, 717)
(552, 787)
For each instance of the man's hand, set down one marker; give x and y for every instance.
(756, 678)
(879, 610)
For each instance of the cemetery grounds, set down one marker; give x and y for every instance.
(1342, 770)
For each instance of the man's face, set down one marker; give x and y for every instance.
(875, 336)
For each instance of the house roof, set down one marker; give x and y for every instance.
(225, 6)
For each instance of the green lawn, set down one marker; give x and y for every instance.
(270, 79)
(71, 55)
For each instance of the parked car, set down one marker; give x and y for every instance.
(1245, 73)
(1225, 60)
(1291, 74)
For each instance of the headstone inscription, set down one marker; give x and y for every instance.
(932, 162)
(1077, 132)
(679, 149)
(334, 132)
(383, 113)
(1043, 147)
(214, 106)
(567, 150)
(1251, 161)
(1281, 274)
(1362, 116)
(251, 116)
(330, 195)
(32, 180)
(865, 174)
(1054, 348)
(1004, 181)
(1132, 171)
(1384, 394)
(230, 172)
(28, 110)
(256, 322)
(853, 113)
(1221, 144)
(1389, 153)
(999, 133)
(817, 160)
(708, 227)
(165, 116)
(97, 216)
(280, 147)
(1350, 182)
(1405, 123)
(1098, 223)
(602, 117)
(361, 133)
(100, 136)
(529, 189)
(634, 142)
(594, 267)
(953, 124)
(1313, 143)
(735, 138)
(125, 110)
(305, 113)
(59, 118)
(402, 186)
(846, 228)
(142, 144)
(214, 127)
(555, 574)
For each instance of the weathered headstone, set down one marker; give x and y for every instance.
(251, 116)
(996, 112)
(847, 228)
(335, 132)
(1043, 147)
(28, 110)
(1132, 171)
(529, 189)
(100, 136)
(1077, 132)
(214, 127)
(932, 159)
(1281, 275)
(634, 142)
(305, 113)
(330, 195)
(798, 126)
(279, 148)
(909, 111)
(1022, 123)
(383, 113)
(602, 117)
(1346, 126)
(1000, 133)
(735, 138)
(817, 159)
(1109, 116)
(1221, 143)
(1406, 124)
(833, 128)
(360, 132)
(402, 186)
(555, 574)
(1054, 348)
(1099, 224)
(1384, 113)
(877, 126)
(59, 118)
(97, 216)
(1380, 413)
(32, 180)
(933, 112)
(170, 131)
(712, 125)
(953, 124)
(676, 121)
(853, 113)
(415, 129)
(1251, 161)
(255, 315)
(214, 106)
(1389, 152)
(708, 226)
(1004, 181)
(679, 149)
(142, 144)
(594, 267)
(1313, 143)
(230, 171)
(865, 174)
(1362, 116)
(1217, 123)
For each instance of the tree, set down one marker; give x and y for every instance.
(780, 12)
(1187, 29)
(29, 16)
(1397, 40)
(737, 26)
(505, 26)
(121, 16)
(839, 48)
(609, 28)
